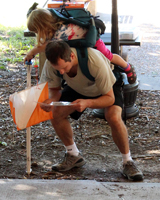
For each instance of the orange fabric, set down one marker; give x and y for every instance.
(12, 111)
(38, 114)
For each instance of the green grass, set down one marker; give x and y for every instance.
(13, 45)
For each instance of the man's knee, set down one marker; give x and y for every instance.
(113, 114)
(59, 113)
(113, 119)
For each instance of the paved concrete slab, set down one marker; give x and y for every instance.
(28, 189)
(148, 82)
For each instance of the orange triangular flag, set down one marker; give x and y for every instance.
(24, 108)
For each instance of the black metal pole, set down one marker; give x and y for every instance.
(114, 31)
(130, 108)
(114, 45)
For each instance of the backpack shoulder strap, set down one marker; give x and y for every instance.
(58, 14)
(82, 54)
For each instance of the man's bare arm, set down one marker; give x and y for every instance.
(54, 95)
(100, 102)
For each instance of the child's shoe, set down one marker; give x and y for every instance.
(131, 74)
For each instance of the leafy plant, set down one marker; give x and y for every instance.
(3, 143)
(2, 67)
(13, 44)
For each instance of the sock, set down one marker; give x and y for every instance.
(127, 68)
(72, 149)
(126, 157)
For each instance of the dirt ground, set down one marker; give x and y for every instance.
(92, 135)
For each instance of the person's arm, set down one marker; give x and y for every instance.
(30, 55)
(100, 102)
(54, 95)
(118, 60)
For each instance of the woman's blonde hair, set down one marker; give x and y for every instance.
(44, 24)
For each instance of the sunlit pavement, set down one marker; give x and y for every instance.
(76, 190)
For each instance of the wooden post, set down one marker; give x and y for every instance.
(28, 130)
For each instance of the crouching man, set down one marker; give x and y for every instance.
(104, 92)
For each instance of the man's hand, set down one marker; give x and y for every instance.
(100, 102)
(80, 104)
